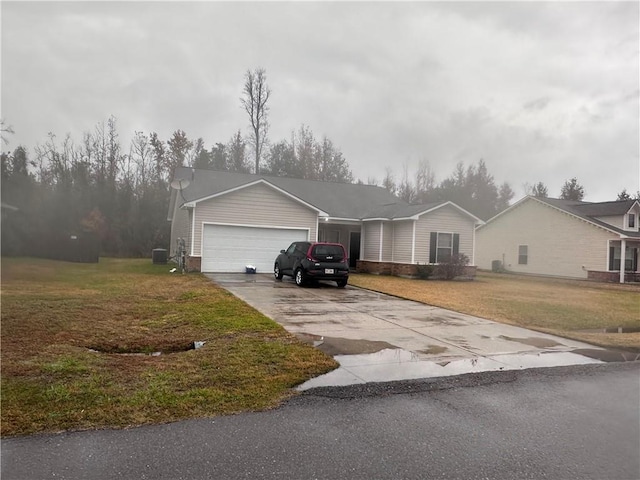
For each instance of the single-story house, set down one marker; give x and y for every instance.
(564, 238)
(229, 220)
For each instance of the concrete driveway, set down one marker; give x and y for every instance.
(378, 338)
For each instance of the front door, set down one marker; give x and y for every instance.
(354, 248)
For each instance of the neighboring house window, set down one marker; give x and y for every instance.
(443, 246)
(632, 220)
(523, 254)
(630, 261)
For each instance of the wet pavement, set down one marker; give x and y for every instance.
(380, 338)
(579, 422)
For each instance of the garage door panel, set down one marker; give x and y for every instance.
(228, 248)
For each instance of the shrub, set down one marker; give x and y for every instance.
(424, 271)
(452, 268)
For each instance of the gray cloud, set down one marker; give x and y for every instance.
(539, 90)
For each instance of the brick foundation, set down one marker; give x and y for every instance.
(194, 264)
(400, 269)
(613, 277)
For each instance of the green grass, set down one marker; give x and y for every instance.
(76, 338)
(569, 308)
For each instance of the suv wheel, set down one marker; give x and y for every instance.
(299, 277)
(341, 283)
(277, 272)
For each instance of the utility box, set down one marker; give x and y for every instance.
(496, 266)
(159, 256)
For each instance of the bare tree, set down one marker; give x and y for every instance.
(141, 153)
(406, 190)
(389, 181)
(5, 129)
(425, 185)
(256, 94)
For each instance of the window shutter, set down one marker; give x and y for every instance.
(456, 243)
(432, 247)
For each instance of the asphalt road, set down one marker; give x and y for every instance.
(580, 422)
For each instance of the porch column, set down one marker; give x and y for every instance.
(413, 243)
(623, 258)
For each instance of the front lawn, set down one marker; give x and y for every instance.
(80, 347)
(569, 308)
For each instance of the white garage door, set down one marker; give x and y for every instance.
(228, 248)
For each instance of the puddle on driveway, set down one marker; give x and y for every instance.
(393, 364)
(433, 350)
(341, 346)
(534, 341)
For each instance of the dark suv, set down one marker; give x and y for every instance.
(308, 261)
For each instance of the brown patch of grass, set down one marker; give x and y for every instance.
(558, 306)
(56, 315)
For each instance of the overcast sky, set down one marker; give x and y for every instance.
(542, 91)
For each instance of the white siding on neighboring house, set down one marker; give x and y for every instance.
(557, 243)
(402, 241)
(614, 220)
(257, 205)
(371, 234)
(446, 220)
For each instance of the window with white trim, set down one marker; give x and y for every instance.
(443, 246)
(631, 220)
(523, 254)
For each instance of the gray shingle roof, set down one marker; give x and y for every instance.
(339, 200)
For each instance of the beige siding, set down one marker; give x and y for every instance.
(613, 220)
(447, 220)
(402, 240)
(258, 205)
(558, 244)
(371, 232)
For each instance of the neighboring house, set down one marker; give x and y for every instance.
(565, 238)
(229, 220)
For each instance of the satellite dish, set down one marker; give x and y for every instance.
(180, 184)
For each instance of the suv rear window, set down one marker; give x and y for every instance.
(333, 253)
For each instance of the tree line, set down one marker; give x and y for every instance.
(120, 196)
